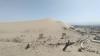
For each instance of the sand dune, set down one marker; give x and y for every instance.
(42, 36)
(32, 25)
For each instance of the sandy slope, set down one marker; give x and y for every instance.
(36, 25)
(14, 37)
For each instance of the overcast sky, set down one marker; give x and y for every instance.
(70, 11)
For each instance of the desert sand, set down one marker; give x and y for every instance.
(44, 38)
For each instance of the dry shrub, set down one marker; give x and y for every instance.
(64, 28)
(22, 35)
(41, 36)
(17, 40)
(81, 49)
(4, 40)
(63, 35)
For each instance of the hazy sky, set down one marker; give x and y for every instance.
(70, 11)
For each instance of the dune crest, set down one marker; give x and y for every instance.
(32, 25)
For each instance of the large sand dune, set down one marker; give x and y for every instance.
(45, 24)
(42, 36)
